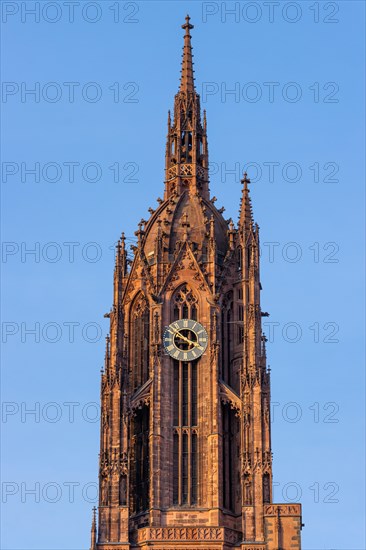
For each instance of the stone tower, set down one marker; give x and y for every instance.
(185, 444)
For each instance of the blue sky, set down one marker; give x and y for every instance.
(304, 149)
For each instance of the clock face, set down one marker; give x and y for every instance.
(185, 340)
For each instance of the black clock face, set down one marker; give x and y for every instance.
(185, 340)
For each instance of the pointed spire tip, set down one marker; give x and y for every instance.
(187, 76)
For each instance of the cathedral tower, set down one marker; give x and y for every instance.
(185, 444)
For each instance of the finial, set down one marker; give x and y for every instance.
(187, 25)
(140, 232)
(118, 252)
(245, 180)
(123, 240)
(246, 214)
(231, 234)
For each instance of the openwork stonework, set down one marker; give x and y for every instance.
(185, 458)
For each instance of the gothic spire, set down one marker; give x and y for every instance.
(121, 256)
(94, 530)
(187, 78)
(245, 215)
(186, 158)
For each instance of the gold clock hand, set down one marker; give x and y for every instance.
(177, 333)
(196, 344)
(180, 335)
(184, 338)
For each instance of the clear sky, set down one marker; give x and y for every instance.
(105, 74)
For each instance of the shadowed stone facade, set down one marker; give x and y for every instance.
(185, 447)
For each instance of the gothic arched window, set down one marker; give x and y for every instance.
(266, 489)
(249, 254)
(185, 304)
(227, 324)
(140, 461)
(185, 413)
(240, 258)
(229, 457)
(140, 340)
